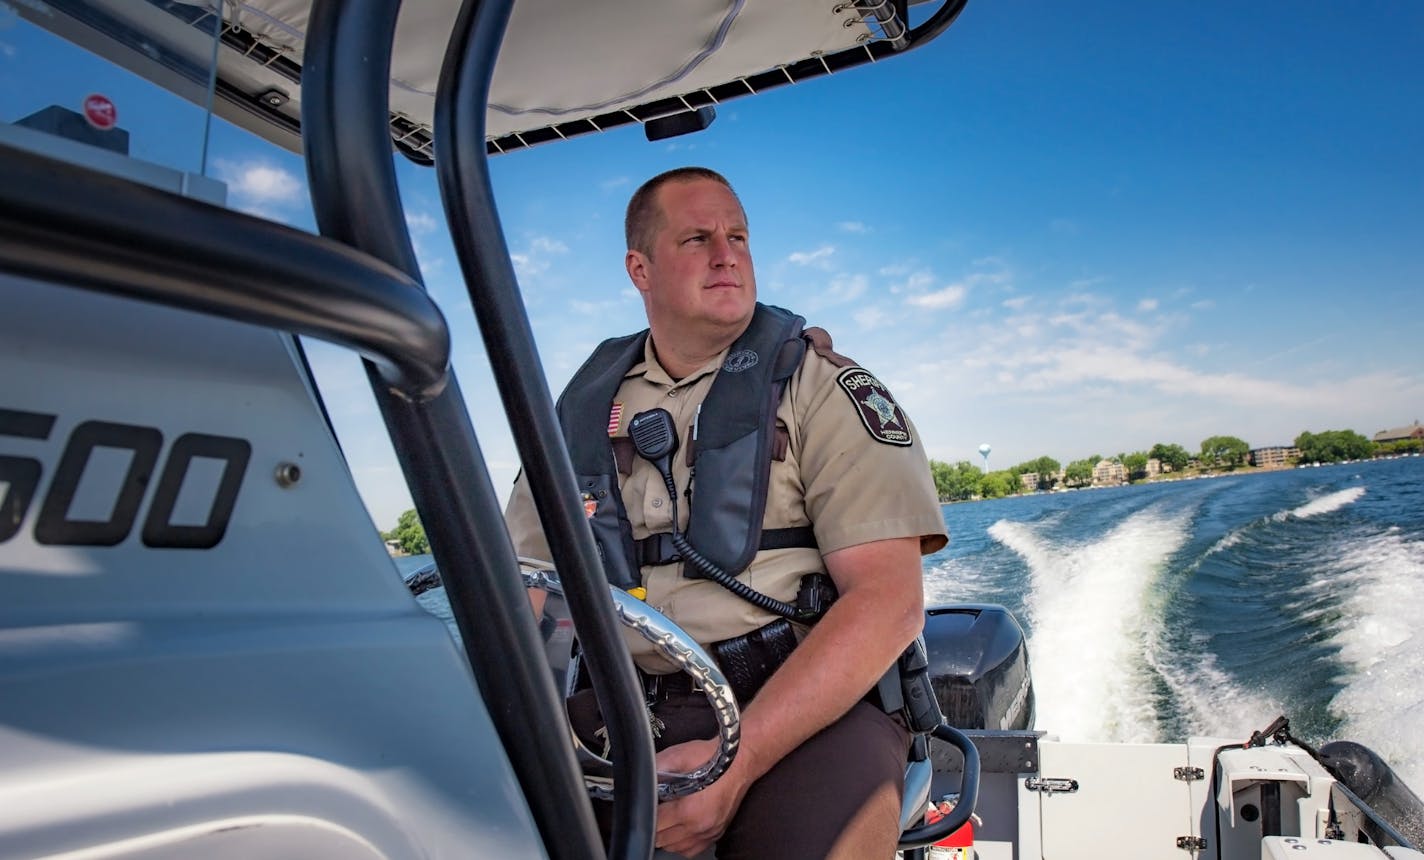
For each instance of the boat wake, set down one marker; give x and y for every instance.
(1382, 702)
(1091, 610)
(1160, 613)
(1315, 507)
(1212, 703)
(958, 581)
(1323, 505)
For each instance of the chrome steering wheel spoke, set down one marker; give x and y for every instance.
(672, 642)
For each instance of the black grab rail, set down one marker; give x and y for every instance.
(462, 169)
(70, 225)
(355, 197)
(928, 834)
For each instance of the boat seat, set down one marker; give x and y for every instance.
(918, 775)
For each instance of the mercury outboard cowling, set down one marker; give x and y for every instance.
(1374, 782)
(979, 666)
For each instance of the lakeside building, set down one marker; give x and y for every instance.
(1156, 467)
(1109, 473)
(1413, 431)
(1275, 455)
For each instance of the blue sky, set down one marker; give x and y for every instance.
(1062, 229)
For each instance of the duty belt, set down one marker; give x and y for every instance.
(747, 661)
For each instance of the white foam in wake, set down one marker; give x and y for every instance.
(1327, 503)
(954, 581)
(1214, 704)
(1382, 703)
(1091, 610)
(1230, 540)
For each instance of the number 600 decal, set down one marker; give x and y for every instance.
(20, 476)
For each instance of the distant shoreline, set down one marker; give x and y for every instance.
(1172, 477)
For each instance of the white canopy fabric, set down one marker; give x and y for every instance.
(563, 62)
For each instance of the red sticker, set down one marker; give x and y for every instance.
(100, 112)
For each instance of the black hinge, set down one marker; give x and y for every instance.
(1188, 774)
(1191, 843)
(1051, 785)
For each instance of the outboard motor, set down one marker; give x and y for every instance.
(979, 666)
(1374, 782)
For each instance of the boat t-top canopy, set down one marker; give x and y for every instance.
(565, 68)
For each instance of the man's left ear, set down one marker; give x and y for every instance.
(636, 262)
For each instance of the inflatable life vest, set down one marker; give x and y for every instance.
(732, 460)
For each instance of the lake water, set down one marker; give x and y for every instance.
(1210, 606)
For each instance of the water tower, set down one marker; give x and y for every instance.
(984, 452)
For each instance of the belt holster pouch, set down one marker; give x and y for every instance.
(906, 689)
(749, 660)
(922, 713)
(814, 597)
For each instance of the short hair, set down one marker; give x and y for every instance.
(644, 215)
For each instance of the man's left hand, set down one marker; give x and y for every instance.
(690, 825)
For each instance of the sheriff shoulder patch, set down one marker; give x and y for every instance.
(878, 411)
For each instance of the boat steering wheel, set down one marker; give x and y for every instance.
(672, 642)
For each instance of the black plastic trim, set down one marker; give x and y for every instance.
(463, 172)
(82, 228)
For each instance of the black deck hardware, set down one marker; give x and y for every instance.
(1188, 774)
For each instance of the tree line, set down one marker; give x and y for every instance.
(409, 534)
(963, 480)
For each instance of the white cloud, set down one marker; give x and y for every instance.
(845, 287)
(1084, 374)
(915, 282)
(1016, 303)
(870, 318)
(421, 222)
(949, 297)
(923, 292)
(260, 187)
(819, 257)
(617, 182)
(1147, 305)
(852, 227)
(536, 258)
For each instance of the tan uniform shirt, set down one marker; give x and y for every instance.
(854, 470)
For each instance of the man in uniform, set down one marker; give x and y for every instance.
(820, 769)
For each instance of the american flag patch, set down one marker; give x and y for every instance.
(615, 419)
